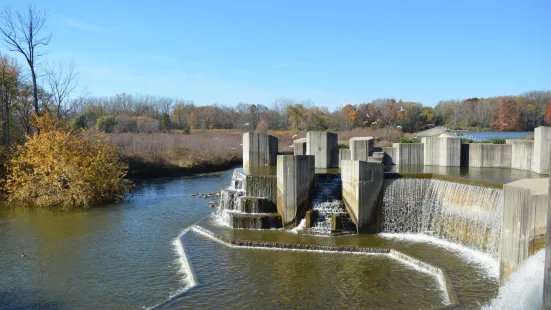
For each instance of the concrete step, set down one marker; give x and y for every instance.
(372, 159)
(379, 154)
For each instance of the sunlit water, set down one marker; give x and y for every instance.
(138, 254)
(120, 257)
(523, 290)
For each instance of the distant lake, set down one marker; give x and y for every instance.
(484, 135)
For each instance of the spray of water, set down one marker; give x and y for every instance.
(301, 226)
(523, 290)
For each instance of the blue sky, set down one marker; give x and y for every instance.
(332, 52)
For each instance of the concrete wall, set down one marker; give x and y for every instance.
(542, 147)
(361, 186)
(409, 153)
(547, 271)
(445, 152)
(524, 222)
(259, 150)
(488, 155)
(295, 186)
(361, 148)
(344, 154)
(521, 157)
(299, 146)
(325, 147)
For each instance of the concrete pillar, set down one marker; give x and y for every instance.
(542, 147)
(547, 271)
(311, 216)
(521, 153)
(489, 155)
(361, 185)
(344, 154)
(441, 151)
(259, 150)
(361, 148)
(299, 146)
(524, 222)
(325, 147)
(295, 187)
(409, 153)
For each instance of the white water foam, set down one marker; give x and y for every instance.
(189, 279)
(420, 266)
(301, 226)
(485, 262)
(523, 290)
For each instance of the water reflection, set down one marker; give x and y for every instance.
(501, 175)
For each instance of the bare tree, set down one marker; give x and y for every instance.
(62, 82)
(22, 34)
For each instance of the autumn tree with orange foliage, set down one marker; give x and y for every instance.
(57, 167)
(508, 116)
(349, 114)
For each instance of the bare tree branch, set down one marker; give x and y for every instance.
(23, 35)
(63, 81)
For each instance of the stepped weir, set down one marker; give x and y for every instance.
(324, 190)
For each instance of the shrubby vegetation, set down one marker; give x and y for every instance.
(491, 140)
(57, 167)
(409, 140)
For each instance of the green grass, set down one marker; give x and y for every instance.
(409, 140)
(491, 141)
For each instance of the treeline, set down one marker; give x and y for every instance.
(144, 113)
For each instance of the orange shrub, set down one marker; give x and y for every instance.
(60, 168)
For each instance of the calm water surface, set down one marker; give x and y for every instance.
(484, 135)
(122, 257)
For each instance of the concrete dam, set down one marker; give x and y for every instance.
(322, 190)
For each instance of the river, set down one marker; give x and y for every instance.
(123, 256)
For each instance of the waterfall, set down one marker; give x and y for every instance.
(239, 208)
(462, 213)
(327, 201)
(230, 200)
(523, 290)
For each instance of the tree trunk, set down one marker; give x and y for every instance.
(7, 132)
(35, 91)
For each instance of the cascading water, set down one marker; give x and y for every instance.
(462, 213)
(239, 209)
(523, 290)
(230, 200)
(327, 202)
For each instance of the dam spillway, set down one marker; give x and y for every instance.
(463, 213)
(439, 196)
